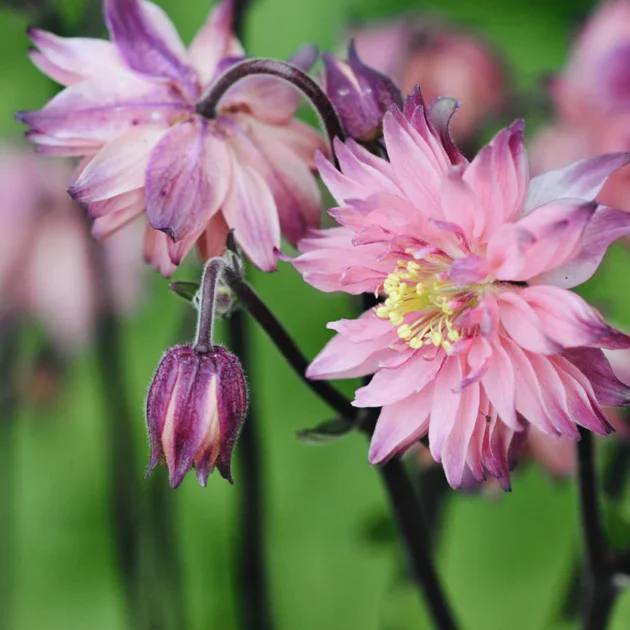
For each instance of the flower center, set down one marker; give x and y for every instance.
(424, 304)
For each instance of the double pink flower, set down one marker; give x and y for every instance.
(477, 336)
(130, 108)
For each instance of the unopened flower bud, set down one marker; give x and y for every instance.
(360, 94)
(195, 409)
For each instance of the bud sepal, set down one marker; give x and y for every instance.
(195, 409)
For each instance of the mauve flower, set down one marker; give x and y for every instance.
(478, 335)
(195, 409)
(129, 108)
(440, 58)
(592, 101)
(46, 268)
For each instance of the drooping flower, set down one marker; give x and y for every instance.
(130, 108)
(443, 60)
(46, 270)
(592, 101)
(195, 409)
(477, 335)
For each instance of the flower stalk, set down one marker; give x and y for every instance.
(600, 570)
(208, 105)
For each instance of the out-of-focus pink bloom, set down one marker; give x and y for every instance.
(195, 409)
(45, 263)
(130, 108)
(478, 335)
(592, 101)
(442, 60)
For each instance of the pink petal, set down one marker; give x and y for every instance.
(445, 405)
(156, 251)
(119, 167)
(108, 224)
(251, 211)
(542, 241)
(605, 226)
(569, 321)
(499, 176)
(90, 111)
(344, 358)
(214, 42)
(414, 164)
(399, 425)
(523, 325)
(392, 385)
(212, 241)
(289, 177)
(72, 59)
(460, 205)
(455, 449)
(148, 42)
(581, 180)
(187, 179)
(499, 384)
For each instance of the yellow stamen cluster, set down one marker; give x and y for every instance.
(426, 292)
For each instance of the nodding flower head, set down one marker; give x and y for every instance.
(131, 109)
(476, 335)
(195, 409)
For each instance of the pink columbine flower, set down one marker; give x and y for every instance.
(129, 108)
(592, 101)
(477, 335)
(46, 270)
(441, 59)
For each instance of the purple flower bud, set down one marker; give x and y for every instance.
(195, 409)
(360, 94)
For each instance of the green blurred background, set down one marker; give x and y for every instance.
(506, 561)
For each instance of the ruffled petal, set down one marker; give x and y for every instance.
(605, 227)
(119, 167)
(149, 43)
(346, 357)
(499, 176)
(214, 41)
(400, 425)
(188, 177)
(542, 241)
(289, 177)
(251, 211)
(390, 385)
(90, 112)
(581, 180)
(68, 60)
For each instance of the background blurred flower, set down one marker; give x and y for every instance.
(442, 59)
(46, 269)
(130, 106)
(592, 101)
(477, 335)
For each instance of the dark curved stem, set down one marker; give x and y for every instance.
(205, 324)
(601, 589)
(412, 527)
(207, 106)
(402, 497)
(283, 341)
(252, 573)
